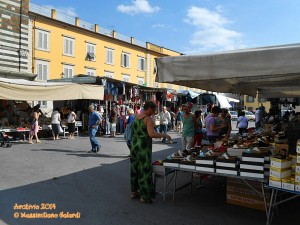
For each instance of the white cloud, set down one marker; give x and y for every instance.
(211, 33)
(69, 11)
(138, 6)
(159, 25)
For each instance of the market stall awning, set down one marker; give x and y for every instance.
(193, 94)
(244, 71)
(223, 101)
(18, 89)
(16, 75)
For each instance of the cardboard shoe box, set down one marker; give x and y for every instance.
(297, 177)
(207, 160)
(254, 157)
(297, 168)
(227, 166)
(205, 168)
(297, 186)
(187, 164)
(252, 173)
(172, 163)
(281, 163)
(288, 184)
(298, 146)
(280, 173)
(275, 182)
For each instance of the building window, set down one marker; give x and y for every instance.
(68, 71)
(249, 99)
(42, 40)
(109, 56)
(141, 81)
(42, 70)
(125, 60)
(69, 46)
(109, 74)
(90, 52)
(126, 77)
(91, 72)
(262, 99)
(141, 63)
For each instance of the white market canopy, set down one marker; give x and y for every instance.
(24, 90)
(272, 71)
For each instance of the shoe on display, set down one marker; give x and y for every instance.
(188, 158)
(201, 154)
(179, 153)
(225, 155)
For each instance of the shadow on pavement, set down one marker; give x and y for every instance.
(101, 196)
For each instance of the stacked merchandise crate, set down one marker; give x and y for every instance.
(254, 164)
(281, 172)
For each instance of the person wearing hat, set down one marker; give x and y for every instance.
(212, 126)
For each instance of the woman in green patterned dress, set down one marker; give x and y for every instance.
(141, 154)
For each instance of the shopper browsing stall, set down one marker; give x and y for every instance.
(212, 126)
(190, 123)
(71, 122)
(165, 119)
(224, 119)
(113, 119)
(141, 154)
(198, 131)
(129, 121)
(34, 126)
(55, 123)
(242, 123)
(179, 120)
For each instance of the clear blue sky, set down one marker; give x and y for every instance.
(192, 26)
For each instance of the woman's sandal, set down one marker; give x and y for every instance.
(145, 201)
(134, 195)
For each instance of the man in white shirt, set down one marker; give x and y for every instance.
(165, 118)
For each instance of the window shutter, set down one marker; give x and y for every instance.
(65, 46)
(144, 64)
(45, 41)
(71, 47)
(40, 71)
(45, 72)
(123, 59)
(70, 73)
(65, 72)
(107, 56)
(40, 41)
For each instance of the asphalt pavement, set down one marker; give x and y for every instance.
(59, 178)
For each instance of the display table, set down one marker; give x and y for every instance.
(278, 196)
(21, 131)
(77, 125)
(270, 204)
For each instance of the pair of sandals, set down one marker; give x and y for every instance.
(134, 195)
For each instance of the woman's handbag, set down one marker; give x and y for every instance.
(60, 130)
(128, 133)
